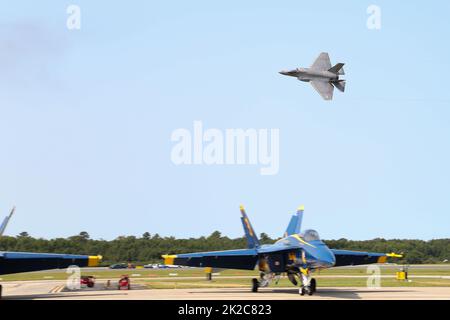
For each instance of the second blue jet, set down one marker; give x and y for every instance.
(297, 254)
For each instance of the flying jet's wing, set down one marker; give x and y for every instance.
(324, 88)
(244, 259)
(16, 262)
(352, 258)
(322, 62)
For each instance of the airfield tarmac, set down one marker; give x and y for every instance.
(55, 290)
(425, 282)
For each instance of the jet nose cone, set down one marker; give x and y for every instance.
(292, 73)
(325, 257)
(329, 259)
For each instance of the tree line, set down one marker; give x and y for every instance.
(149, 248)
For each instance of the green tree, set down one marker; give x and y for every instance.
(149, 248)
(146, 236)
(84, 235)
(23, 234)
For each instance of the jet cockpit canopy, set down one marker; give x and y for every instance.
(310, 235)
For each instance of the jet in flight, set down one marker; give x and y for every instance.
(322, 76)
(298, 254)
(16, 262)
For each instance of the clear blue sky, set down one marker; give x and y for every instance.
(86, 117)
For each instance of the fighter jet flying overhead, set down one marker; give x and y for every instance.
(298, 254)
(322, 76)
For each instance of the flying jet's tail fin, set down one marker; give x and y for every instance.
(252, 239)
(338, 69)
(5, 222)
(295, 223)
(340, 85)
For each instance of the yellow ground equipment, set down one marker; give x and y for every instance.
(402, 274)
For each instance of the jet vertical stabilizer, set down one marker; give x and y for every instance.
(252, 239)
(340, 85)
(295, 224)
(338, 69)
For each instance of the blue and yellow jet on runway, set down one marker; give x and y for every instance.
(297, 254)
(16, 262)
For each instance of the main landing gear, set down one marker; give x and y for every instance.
(266, 279)
(308, 285)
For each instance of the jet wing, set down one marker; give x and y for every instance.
(5, 221)
(324, 88)
(16, 262)
(322, 62)
(244, 259)
(353, 258)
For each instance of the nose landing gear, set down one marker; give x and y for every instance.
(309, 290)
(265, 280)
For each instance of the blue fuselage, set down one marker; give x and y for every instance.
(312, 254)
(319, 256)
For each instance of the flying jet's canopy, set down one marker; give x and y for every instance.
(310, 235)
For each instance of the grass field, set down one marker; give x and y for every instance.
(195, 278)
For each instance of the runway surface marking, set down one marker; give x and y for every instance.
(50, 290)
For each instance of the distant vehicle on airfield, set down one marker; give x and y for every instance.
(161, 266)
(88, 281)
(118, 266)
(124, 283)
(173, 266)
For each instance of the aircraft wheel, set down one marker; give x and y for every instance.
(255, 285)
(313, 285)
(306, 290)
(301, 291)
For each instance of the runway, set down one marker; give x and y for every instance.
(55, 290)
